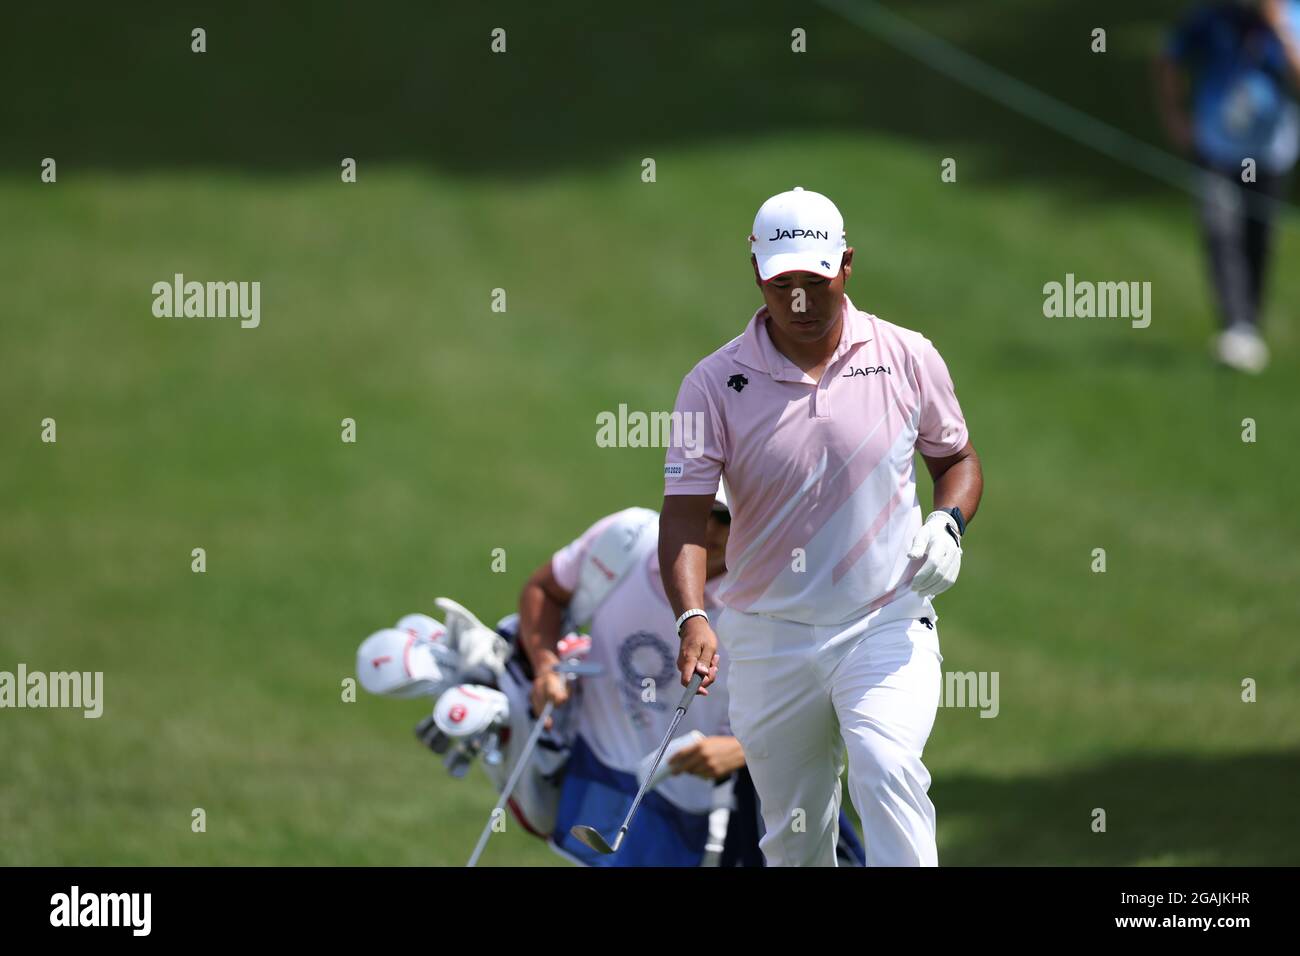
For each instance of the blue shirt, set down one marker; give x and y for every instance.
(1243, 102)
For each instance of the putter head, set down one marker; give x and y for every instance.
(592, 838)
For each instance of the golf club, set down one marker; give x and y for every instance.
(590, 835)
(572, 670)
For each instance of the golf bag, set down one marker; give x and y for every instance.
(480, 684)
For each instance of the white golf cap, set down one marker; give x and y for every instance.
(798, 231)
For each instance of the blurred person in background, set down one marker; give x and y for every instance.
(1227, 83)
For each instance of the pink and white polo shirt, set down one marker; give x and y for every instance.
(821, 476)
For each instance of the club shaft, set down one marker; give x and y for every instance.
(691, 688)
(520, 766)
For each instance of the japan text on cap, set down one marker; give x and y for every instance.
(798, 231)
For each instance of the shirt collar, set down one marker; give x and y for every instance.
(757, 351)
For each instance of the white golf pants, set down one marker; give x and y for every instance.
(802, 696)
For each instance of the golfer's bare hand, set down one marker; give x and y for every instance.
(699, 653)
(711, 758)
(549, 687)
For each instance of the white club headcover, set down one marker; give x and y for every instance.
(423, 627)
(470, 709)
(395, 663)
(664, 771)
(474, 642)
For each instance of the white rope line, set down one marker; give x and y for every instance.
(1041, 107)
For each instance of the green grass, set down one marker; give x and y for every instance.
(476, 430)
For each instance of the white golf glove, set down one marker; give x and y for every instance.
(939, 546)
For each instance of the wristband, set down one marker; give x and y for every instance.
(687, 615)
(957, 516)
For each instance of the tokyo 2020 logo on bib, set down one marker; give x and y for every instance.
(645, 657)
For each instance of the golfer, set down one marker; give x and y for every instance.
(812, 417)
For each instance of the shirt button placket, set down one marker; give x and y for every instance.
(822, 392)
